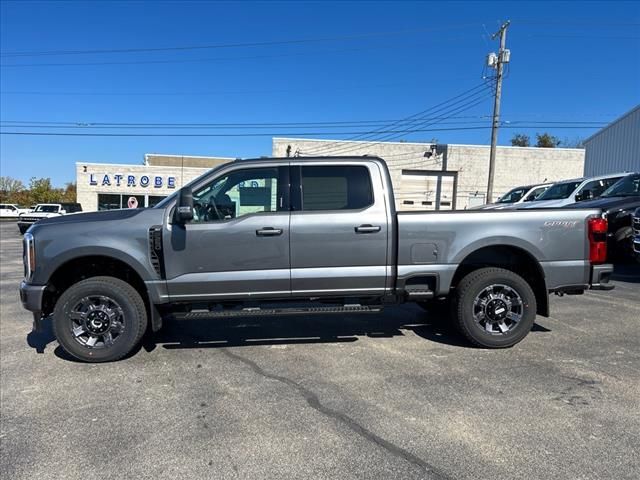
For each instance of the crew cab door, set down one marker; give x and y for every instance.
(339, 230)
(237, 245)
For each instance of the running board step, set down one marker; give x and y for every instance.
(267, 312)
(417, 294)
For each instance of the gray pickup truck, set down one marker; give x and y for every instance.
(299, 236)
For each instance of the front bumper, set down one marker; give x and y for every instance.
(31, 296)
(23, 226)
(600, 276)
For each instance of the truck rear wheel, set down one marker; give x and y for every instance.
(99, 319)
(494, 308)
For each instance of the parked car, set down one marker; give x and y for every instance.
(636, 234)
(11, 210)
(301, 236)
(516, 196)
(46, 210)
(571, 191)
(618, 203)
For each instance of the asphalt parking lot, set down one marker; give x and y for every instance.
(396, 395)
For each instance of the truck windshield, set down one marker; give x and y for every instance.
(47, 208)
(625, 187)
(514, 195)
(559, 191)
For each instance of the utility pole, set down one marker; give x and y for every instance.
(497, 63)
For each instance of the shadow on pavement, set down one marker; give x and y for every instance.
(39, 340)
(628, 272)
(289, 330)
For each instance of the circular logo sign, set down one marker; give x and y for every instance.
(132, 202)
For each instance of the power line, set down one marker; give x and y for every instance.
(196, 93)
(192, 60)
(259, 134)
(222, 59)
(88, 124)
(469, 103)
(470, 91)
(231, 45)
(186, 127)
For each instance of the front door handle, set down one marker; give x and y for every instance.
(368, 229)
(269, 232)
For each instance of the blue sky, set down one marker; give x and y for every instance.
(573, 61)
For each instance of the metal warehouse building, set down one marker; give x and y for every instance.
(429, 176)
(615, 148)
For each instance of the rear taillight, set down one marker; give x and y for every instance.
(597, 228)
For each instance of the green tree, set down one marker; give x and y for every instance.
(41, 191)
(520, 140)
(546, 140)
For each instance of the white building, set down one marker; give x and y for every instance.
(104, 186)
(425, 176)
(615, 148)
(446, 176)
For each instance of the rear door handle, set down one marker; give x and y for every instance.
(368, 229)
(269, 232)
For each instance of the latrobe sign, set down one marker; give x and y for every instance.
(118, 180)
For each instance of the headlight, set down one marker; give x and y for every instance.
(29, 256)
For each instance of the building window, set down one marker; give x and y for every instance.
(107, 201)
(153, 200)
(114, 201)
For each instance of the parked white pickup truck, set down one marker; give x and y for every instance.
(11, 210)
(45, 210)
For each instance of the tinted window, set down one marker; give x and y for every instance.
(626, 187)
(513, 195)
(559, 191)
(48, 208)
(72, 207)
(335, 187)
(535, 194)
(597, 187)
(238, 193)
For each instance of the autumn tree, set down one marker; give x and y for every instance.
(69, 194)
(9, 189)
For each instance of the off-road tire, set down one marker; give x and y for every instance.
(134, 316)
(471, 286)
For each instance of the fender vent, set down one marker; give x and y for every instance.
(155, 249)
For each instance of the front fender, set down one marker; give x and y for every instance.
(136, 259)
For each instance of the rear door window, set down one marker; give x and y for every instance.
(335, 187)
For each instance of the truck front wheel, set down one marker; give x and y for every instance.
(99, 319)
(494, 308)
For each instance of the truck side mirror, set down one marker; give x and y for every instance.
(585, 194)
(184, 208)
